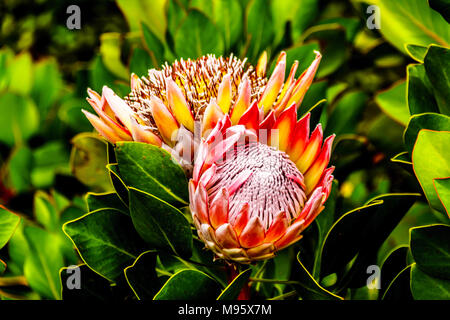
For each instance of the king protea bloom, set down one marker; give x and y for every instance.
(258, 176)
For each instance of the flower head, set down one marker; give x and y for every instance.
(258, 176)
(164, 107)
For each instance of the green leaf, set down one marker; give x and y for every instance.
(411, 22)
(299, 13)
(309, 289)
(399, 288)
(442, 186)
(441, 6)
(110, 44)
(232, 291)
(333, 39)
(198, 36)
(18, 123)
(431, 159)
(420, 92)
(437, 66)
(228, 18)
(393, 102)
(416, 52)
(19, 167)
(8, 224)
(45, 212)
(189, 285)
(93, 287)
(111, 200)
(153, 170)
(151, 12)
(160, 224)
(430, 247)
(118, 184)
(155, 46)
(324, 223)
(141, 276)
(140, 62)
(360, 232)
(259, 34)
(106, 241)
(346, 114)
(431, 121)
(394, 263)
(42, 265)
(88, 161)
(426, 287)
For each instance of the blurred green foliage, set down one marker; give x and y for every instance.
(386, 97)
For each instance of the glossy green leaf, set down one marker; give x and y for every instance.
(399, 288)
(117, 182)
(437, 66)
(160, 224)
(97, 201)
(309, 289)
(431, 159)
(92, 287)
(232, 291)
(18, 123)
(442, 186)
(420, 92)
(431, 121)
(394, 263)
(88, 161)
(360, 232)
(141, 276)
(426, 287)
(8, 224)
(416, 52)
(411, 22)
(197, 36)
(441, 6)
(430, 247)
(346, 114)
(42, 265)
(259, 34)
(106, 241)
(393, 102)
(153, 170)
(189, 285)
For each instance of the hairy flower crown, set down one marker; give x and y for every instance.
(259, 177)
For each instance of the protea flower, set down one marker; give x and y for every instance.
(258, 178)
